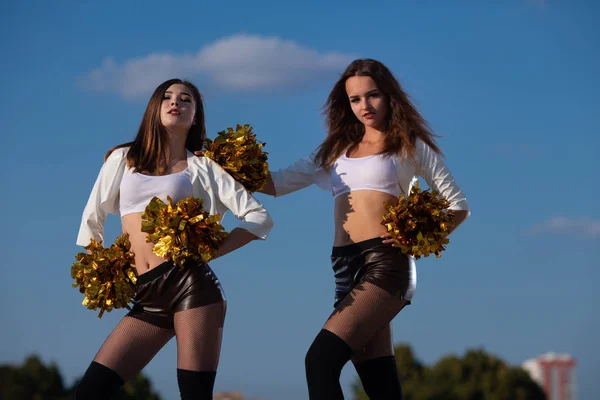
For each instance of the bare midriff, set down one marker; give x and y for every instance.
(358, 214)
(145, 259)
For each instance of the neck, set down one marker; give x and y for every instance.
(177, 145)
(373, 135)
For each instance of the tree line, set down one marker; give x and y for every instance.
(477, 375)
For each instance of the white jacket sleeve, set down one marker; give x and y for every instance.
(103, 200)
(437, 175)
(254, 217)
(299, 175)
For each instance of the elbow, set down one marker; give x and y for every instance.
(268, 223)
(259, 223)
(460, 215)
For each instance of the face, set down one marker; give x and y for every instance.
(368, 103)
(178, 107)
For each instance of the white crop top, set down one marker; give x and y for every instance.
(137, 189)
(375, 172)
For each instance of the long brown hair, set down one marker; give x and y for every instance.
(405, 124)
(149, 151)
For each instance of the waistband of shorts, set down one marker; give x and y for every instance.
(155, 272)
(355, 248)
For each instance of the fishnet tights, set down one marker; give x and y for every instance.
(199, 332)
(133, 343)
(363, 320)
(131, 346)
(381, 345)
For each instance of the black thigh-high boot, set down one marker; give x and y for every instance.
(98, 383)
(196, 385)
(379, 377)
(324, 362)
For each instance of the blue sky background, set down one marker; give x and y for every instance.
(511, 88)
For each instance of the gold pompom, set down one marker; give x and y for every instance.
(105, 276)
(238, 153)
(420, 223)
(182, 232)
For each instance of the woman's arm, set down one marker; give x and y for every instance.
(237, 238)
(433, 169)
(103, 199)
(269, 187)
(299, 175)
(255, 221)
(459, 217)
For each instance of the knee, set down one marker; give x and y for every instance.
(98, 382)
(312, 360)
(326, 356)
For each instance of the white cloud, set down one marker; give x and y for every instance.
(563, 225)
(240, 62)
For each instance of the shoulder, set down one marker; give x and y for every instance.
(421, 146)
(424, 151)
(422, 154)
(117, 156)
(205, 166)
(200, 162)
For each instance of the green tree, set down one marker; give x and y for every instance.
(138, 388)
(33, 380)
(410, 369)
(476, 376)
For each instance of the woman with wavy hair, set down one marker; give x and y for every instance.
(188, 302)
(377, 144)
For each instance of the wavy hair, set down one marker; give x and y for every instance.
(149, 151)
(404, 123)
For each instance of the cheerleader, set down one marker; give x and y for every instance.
(377, 144)
(188, 302)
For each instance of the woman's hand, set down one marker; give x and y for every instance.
(387, 239)
(459, 217)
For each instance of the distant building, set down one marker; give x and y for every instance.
(555, 373)
(230, 396)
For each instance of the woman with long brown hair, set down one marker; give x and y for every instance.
(188, 302)
(377, 144)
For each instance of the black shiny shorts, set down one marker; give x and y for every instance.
(167, 289)
(374, 262)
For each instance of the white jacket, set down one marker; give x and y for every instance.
(210, 182)
(429, 165)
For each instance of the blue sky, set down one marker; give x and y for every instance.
(511, 88)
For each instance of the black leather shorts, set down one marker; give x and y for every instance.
(374, 262)
(167, 289)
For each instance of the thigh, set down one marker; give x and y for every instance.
(381, 345)
(365, 311)
(199, 332)
(131, 346)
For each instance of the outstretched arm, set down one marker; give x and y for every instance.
(297, 176)
(269, 187)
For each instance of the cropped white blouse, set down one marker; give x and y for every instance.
(428, 165)
(219, 191)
